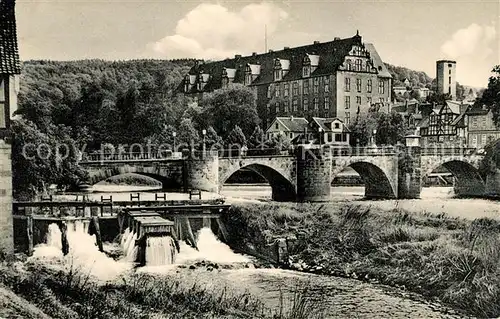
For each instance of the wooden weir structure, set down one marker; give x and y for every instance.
(110, 218)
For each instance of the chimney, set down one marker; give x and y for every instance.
(286, 48)
(254, 53)
(316, 42)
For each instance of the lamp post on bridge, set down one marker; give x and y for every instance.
(174, 134)
(204, 132)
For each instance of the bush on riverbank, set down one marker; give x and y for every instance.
(441, 257)
(38, 290)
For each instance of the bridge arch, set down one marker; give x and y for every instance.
(377, 177)
(468, 180)
(165, 177)
(283, 189)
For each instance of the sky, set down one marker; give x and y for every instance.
(407, 33)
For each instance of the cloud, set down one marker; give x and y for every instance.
(474, 48)
(212, 31)
(473, 40)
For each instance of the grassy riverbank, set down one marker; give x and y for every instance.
(440, 257)
(34, 289)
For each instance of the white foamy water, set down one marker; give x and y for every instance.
(83, 253)
(210, 249)
(160, 251)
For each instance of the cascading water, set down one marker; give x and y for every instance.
(128, 245)
(83, 253)
(210, 249)
(160, 251)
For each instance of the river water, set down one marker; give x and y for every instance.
(345, 298)
(335, 297)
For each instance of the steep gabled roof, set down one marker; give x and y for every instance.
(294, 124)
(9, 55)
(325, 123)
(331, 56)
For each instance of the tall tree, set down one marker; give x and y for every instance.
(229, 107)
(187, 134)
(236, 137)
(213, 140)
(491, 96)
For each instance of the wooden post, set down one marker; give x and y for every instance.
(29, 234)
(64, 237)
(189, 232)
(97, 232)
(222, 229)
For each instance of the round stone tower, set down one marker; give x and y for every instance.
(201, 171)
(314, 173)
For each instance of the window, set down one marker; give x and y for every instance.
(3, 100)
(327, 103)
(269, 92)
(306, 104)
(449, 72)
(474, 140)
(369, 100)
(306, 87)
(327, 84)
(277, 107)
(306, 71)
(287, 106)
(347, 118)
(347, 102)
(369, 86)
(358, 100)
(337, 125)
(358, 64)
(358, 85)
(381, 87)
(286, 89)
(295, 89)
(449, 90)
(449, 80)
(348, 64)
(276, 126)
(449, 65)
(295, 104)
(277, 75)
(291, 135)
(315, 103)
(277, 92)
(347, 84)
(382, 100)
(316, 85)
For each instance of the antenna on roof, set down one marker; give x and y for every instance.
(265, 38)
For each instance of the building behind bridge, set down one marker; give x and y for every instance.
(331, 80)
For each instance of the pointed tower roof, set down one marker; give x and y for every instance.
(9, 55)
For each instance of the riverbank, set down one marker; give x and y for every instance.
(33, 289)
(443, 258)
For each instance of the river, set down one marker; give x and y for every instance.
(346, 298)
(435, 200)
(333, 297)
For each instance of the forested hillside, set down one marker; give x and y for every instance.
(417, 79)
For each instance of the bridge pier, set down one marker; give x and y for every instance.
(201, 171)
(409, 169)
(314, 173)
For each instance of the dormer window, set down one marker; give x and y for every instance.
(358, 64)
(248, 75)
(278, 72)
(306, 67)
(337, 125)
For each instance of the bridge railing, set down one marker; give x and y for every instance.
(129, 156)
(447, 151)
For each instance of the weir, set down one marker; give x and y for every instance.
(147, 235)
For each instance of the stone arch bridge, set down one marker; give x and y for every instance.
(305, 175)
